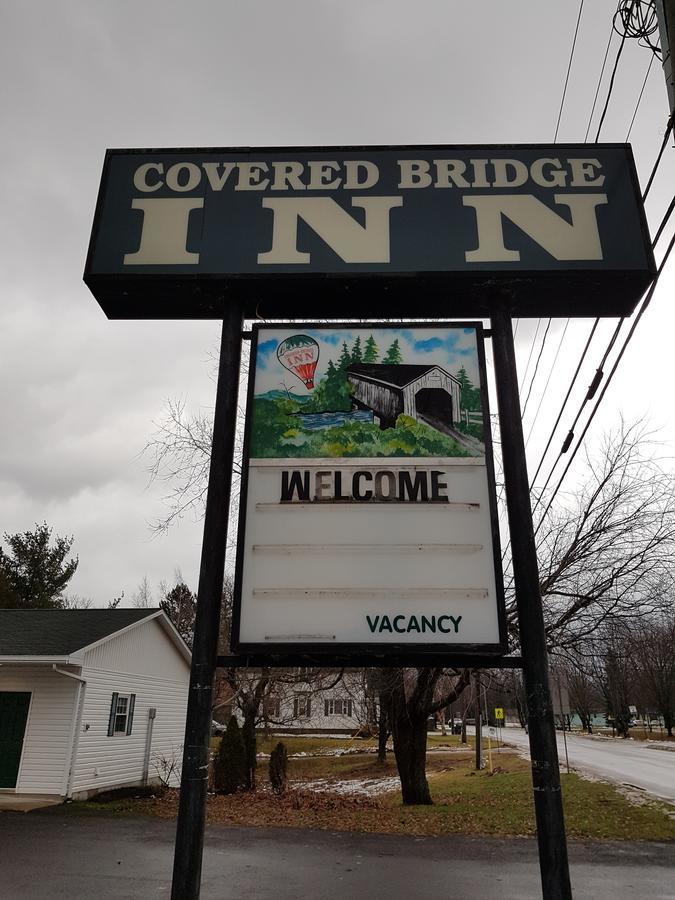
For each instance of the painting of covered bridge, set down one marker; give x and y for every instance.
(427, 394)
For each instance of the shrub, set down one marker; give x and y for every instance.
(229, 766)
(278, 768)
(250, 752)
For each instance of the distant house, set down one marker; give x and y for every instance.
(306, 701)
(425, 393)
(89, 699)
(341, 709)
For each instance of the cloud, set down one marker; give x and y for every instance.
(428, 345)
(264, 351)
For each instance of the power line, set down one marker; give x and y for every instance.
(669, 128)
(564, 403)
(642, 90)
(550, 373)
(529, 358)
(664, 222)
(643, 308)
(624, 11)
(536, 368)
(599, 371)
(569, 69)
(611, 86)
(590, 393)
(597, 89)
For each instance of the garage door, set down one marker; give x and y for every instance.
(13, 715)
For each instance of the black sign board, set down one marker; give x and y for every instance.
(443, 231)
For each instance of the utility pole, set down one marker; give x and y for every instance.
(553, 863)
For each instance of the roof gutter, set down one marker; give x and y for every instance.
(73, 740)
(40, 660)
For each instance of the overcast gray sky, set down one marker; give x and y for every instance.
(80, 394)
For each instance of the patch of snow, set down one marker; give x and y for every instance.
(362, 787)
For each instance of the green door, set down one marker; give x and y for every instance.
(13, 715)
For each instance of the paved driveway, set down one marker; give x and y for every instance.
(48, 855)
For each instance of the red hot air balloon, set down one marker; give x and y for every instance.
(299, 354)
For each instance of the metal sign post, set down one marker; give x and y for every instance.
(548, 806)
(187, 867)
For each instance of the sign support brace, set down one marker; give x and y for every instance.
(548, 805)
(187, 865)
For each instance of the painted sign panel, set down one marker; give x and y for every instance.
(546, 229)
(368, 508)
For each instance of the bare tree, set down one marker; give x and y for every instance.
(75, 601)
(615, 674)
(411, 696)
(180, 451)
(604, 553)
(654, 659)
(142, 598)
(585, 698)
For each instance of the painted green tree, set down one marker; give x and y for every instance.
(372, 351)
(332, 393)
(470, 395)
(394, 357)
(345, 359)
(357, 352)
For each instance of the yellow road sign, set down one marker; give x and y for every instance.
(499, 712)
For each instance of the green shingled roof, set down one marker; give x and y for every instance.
(60, 632)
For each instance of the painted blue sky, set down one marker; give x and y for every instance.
(450, 348)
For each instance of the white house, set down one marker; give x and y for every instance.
(90, 700)
(321, 704)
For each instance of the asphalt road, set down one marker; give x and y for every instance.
(47, 855)
(633, 763)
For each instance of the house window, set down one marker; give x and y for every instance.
(121, 718)
(304, 673)
(302, 706)
(272, 707)
(338, 708)
(121, 714)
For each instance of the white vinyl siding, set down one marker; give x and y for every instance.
(48, 729)
(142, 661)
(144, 649)
(104, 761)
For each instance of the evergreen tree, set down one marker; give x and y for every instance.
(33, 574)
(8, 599)
(345, 358)
(180, 605)
(250, 751)
(372, 351)
(394, 356)
(357, 352)
(278, 768)
(229, 765)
